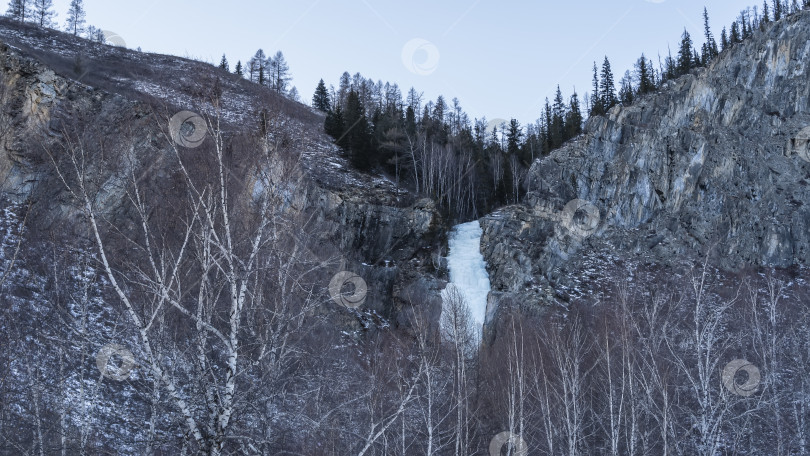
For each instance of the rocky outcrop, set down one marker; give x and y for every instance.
(714, 163)
(393, 242)
(379, 233)
(28, 93)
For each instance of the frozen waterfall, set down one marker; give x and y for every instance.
(467, 269)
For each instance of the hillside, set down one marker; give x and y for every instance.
(84, 120)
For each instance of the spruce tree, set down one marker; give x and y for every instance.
(410, 121)
(439, 110)
(573, 118)
(547, 120)
(646, 80)
(710, 50)
(543, 133)
(558, 120)
(356, 134)
(670, 69)
(335, 126)
(746, 26)
(777, 10)
(596, 99)
(608, 87)
(238, 69)
(734, 36)
(766, 12)
(685, 55)
(513, 137)
(75, 17)
(320, 100)
(223, 64)
(723, 40)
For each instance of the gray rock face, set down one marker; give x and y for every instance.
(394, 243)
(716, 161)
(29, 93)
(377, 231)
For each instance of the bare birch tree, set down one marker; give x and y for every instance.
(235, 272)
(457, 327)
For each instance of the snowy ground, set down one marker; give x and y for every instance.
(467, 268)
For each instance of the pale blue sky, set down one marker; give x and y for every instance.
(501, 58)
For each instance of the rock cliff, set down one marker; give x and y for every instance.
(715, 163)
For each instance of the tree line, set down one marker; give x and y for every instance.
(645, 78)
(271, 71)
(41, 13)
